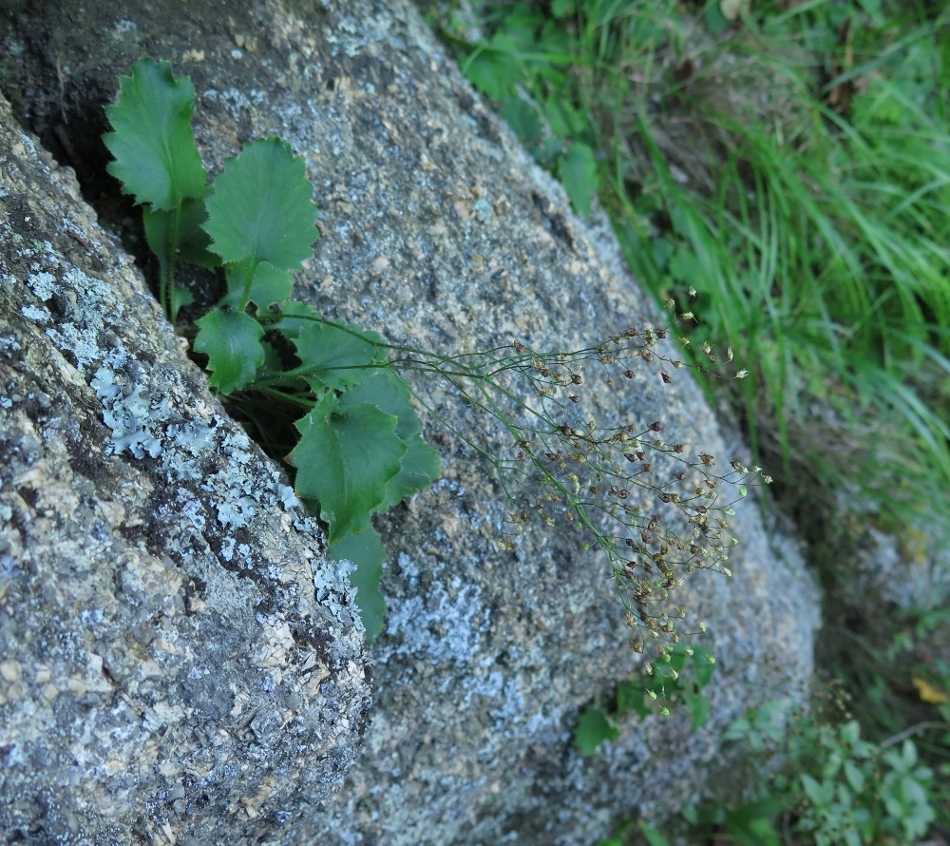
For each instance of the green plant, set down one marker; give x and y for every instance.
(836, 787)
(359, 449)
(677, 679)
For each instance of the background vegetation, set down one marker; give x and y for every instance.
(783, 170)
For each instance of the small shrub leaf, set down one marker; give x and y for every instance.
(818, 793)
(703, 669)
(261, 208)
(629, 695)
(493, 69)
(523, 119)
(348, 452)
(156, 159)
(593, 729)
(699, 709)
(232, 342)
(577, 170)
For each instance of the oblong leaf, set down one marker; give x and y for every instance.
(232, 342)
(156, 159)
(261, 208)
(344, 460)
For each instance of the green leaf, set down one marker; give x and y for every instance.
(493, 67)
(593, 729)
(156, 159)
(273, 363)
(716, 22)
(193, 241)
(181, 296)
(365, 550)
(232, 342)
(851, 732)
(293, 318)
(577, 170)
(629, 695)
(268, 285)
(819, 793)
(523, 119)
(750, 824)
(699, 709)
(347, 454)
(261, 209)
(685, 267)
(703, 668)
(337, 358)
(661, 249)
(420, 465)
(653, 837)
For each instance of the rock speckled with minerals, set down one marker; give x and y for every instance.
(438, 230)
(167, 674)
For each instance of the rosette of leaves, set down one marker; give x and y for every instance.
(360, 449)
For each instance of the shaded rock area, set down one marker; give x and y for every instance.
(167, 674)
(440, 232)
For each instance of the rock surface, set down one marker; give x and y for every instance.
(167, 674)
(439, 231)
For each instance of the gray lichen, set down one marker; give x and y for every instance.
(167, 672)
